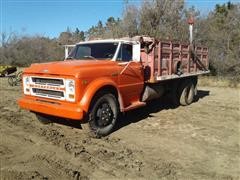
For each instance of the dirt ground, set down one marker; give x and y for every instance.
(200, 141)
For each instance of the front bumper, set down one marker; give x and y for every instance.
(59, 109)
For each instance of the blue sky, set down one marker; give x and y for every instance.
(50, 17)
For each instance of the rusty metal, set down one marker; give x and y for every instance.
(167, 56)
(159, 57)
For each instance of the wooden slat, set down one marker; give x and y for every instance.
(171, 59)
(159, 59)
(152, 65)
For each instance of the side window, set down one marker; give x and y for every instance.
(125, 53)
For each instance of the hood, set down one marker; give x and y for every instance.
(68, 67)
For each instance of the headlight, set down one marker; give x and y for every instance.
(70, 90)
(26, 84)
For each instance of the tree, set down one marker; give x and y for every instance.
(161, 18)
(96, 31)
(69, 37)
(112, 28)
(78, 35)
(65, 38)
(221, 32)
(130, 21)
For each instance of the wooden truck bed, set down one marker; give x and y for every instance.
(170, 60)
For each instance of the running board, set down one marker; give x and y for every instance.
(134, 106)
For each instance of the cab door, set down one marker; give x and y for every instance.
(130, 70)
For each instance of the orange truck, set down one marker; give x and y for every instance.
(101, 78)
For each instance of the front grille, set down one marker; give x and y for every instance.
(49, 93)
(48, 87)
(49, 81)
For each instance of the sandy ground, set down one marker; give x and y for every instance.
(200, 141)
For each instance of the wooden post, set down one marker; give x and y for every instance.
(189, 58)
(191, 48)
(152, 79)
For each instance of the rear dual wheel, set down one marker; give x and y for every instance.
(102, 116)
(185, 92)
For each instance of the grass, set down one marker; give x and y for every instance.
(216, 81)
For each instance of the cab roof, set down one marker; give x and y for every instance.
(108, 41)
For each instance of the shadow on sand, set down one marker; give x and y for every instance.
(137, 114)
(152, 107)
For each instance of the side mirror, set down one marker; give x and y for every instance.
(67, 48)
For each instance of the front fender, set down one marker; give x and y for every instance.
(92, 89)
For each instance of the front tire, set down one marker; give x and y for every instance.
(103, 115)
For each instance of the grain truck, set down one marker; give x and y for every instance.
(99, 79)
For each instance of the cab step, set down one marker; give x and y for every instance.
(134, 105)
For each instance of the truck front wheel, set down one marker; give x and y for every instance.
(102, 115)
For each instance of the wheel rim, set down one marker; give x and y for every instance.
(104, 114)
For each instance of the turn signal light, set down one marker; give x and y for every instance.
(71, 96)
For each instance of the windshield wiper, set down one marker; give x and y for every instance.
(91, 57)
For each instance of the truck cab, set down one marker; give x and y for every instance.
(109, 70)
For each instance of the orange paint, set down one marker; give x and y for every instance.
(97, 74)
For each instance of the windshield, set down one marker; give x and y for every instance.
(93, 51)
